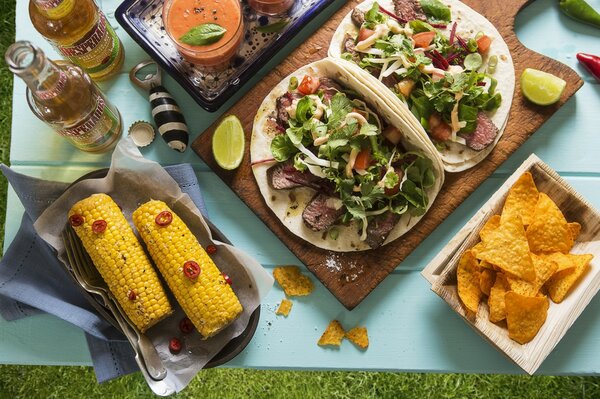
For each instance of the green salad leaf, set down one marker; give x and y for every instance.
(282, 148)
(436, 11)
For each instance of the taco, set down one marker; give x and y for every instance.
(442, 65)
(334, 163)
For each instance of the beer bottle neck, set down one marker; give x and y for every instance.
(43, 77)
(54, 9)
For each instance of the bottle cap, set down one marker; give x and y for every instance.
(142, 133)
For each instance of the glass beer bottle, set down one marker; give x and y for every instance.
(63, 95)
(79, 31)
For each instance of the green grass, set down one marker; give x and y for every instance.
(77, 382)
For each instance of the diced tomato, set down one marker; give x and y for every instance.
(423, 39)
(483, 43)
(439, 129)
(393, 134)
(363, 159)
(309, 85)
(364, 34)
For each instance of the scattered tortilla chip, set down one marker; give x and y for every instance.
(544, 269)
(496, 299)
(475, 250)
(486, 280)
(524, 316)
(467, 275)
(292, 281)
(333, 335)
(549, 231)
(521, 199)
(563, 261)
(562, 282)
(359, 337)
(507, 248)
(575, 229)
(492, 224)
(284, 307)
(485, 264)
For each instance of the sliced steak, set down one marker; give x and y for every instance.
(329, 87)
(284, 176)
(358, 17)
(321, 213)
(388, 81)
(379, 228)
(281, 105)
(409, 10)
(485, 133)
(350, 48)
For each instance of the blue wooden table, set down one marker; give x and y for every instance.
(410, 327)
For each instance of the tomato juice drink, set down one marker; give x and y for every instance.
(206, 32)
(271, 7)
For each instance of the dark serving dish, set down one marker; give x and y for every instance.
(142, 19)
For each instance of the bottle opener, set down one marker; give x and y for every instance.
(165, 111)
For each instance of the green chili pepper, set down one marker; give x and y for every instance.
(581, 11)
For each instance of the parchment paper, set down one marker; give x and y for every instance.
(131, 181)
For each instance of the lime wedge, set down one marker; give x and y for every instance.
(540, 87)
(228, 143)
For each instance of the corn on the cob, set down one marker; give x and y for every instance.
(198, 285)
(119, 257)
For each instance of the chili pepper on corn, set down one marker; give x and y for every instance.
(581, 11)
(591, 62)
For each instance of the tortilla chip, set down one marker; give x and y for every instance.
(575, 229)
(486, 280)
(486, 265)
(284, 307)
(292, 281)
(507, 248)
(521, 199)
(476, 248)
(496, 299)
(492, 224)
(563, 261)
(549, 231)
(359, 337)
(333, 335)
(525, 316)
(544, 269)
(562, 282)
(467, 275)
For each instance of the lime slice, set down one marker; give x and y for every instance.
(541, 88)
(228, 143)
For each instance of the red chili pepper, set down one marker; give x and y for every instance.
(186, 326)
(131, 295)
(175, 345)
(164, 218)
(99, 226)
(76, 220)
(227, 278)
(191, 269)
(591, 62)
(211, 249)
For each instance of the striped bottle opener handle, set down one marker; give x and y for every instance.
(167, 115)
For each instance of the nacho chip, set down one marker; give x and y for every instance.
(476, 248)
(486, 280)
(507, 248)
(496, 299)
(292, 281)
(467, 275)
(544, 269)
(521, 199)
(562, 282)
(492, 224)
(359, 337)
(485, 264)
(333, 335)
(549, 231)
(284, 307)
(575, 229)
(525, 316)
(563, 261)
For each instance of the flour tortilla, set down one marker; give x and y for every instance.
(288, 205)
(457, 157)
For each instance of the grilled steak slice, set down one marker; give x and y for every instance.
(409, 10)
(388, 81)
(379, 228)
(485, 133)
(281, 105)
(350, 48)
(322, 212)
(329, 87)
(358, 17)
(284, 176)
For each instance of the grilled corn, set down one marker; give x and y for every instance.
(120, 259)
(200, 288)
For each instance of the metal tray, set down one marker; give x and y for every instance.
(142, 19)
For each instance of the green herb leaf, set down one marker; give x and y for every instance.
(203, 34)
(274, 27)
(419, 26)
(436, 10)
(374, 17)
(340, 107)
(282, 148)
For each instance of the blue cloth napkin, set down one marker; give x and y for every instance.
(32, 279)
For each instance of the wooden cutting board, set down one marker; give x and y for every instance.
(352, 276)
